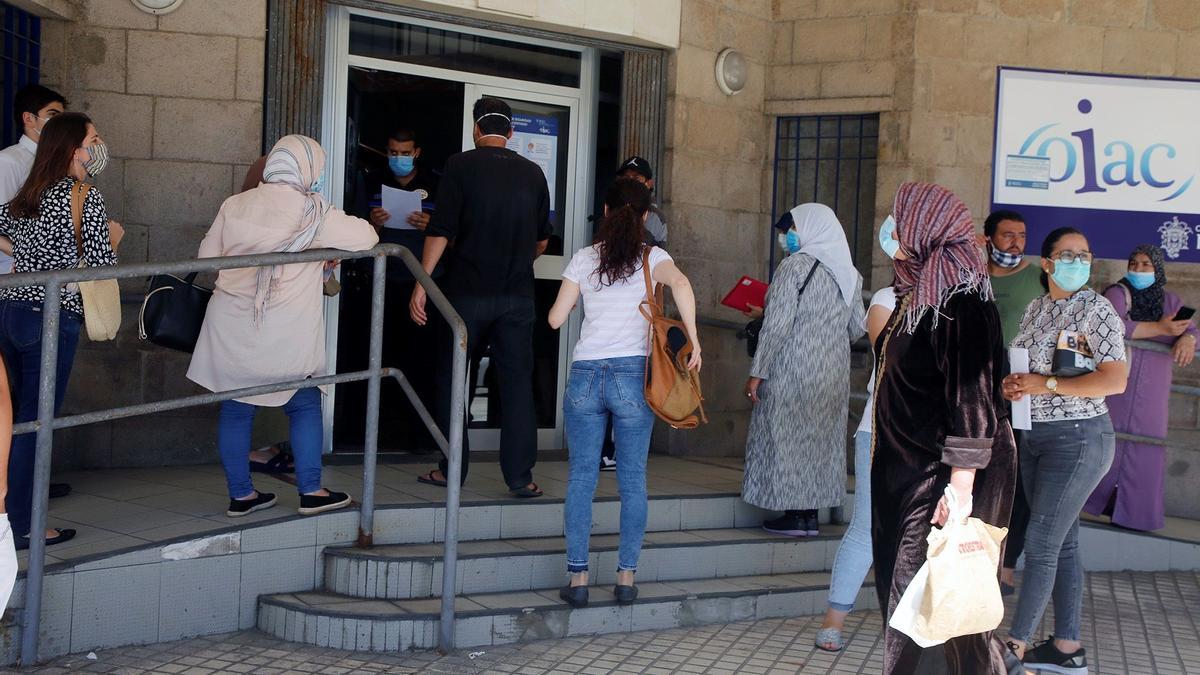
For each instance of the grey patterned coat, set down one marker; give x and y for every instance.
(796, 450)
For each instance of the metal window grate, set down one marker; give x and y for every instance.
(19, 61)
(829, 159)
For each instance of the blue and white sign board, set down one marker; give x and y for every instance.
(1116, 157)
(536, 139)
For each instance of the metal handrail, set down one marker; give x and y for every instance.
(47, 422)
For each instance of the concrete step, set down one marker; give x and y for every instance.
(527, 518)
(330, 620)
(415, 570)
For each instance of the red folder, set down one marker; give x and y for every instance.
(747, 292)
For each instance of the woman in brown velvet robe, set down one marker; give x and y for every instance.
(940, 416)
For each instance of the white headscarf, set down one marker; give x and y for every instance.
(822, 237)
(297, 162)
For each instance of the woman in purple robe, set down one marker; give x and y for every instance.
(1132, 492)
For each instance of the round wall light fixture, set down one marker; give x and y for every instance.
(157, 6)
(732, 71)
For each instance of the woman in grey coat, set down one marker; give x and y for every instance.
(800, 380)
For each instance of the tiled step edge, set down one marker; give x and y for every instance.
(415, 571)
(328, 620)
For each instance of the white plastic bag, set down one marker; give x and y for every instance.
(956, 591)
(8, 562)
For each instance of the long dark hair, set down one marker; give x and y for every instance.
(619, 239)
(60, 138)
(1048, 248)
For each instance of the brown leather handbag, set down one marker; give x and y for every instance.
(672, 389)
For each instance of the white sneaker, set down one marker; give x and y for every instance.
(607, 464)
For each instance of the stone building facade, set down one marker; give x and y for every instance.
(180, 99)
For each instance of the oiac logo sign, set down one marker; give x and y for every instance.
(1098, 165)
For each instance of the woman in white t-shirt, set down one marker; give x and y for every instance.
(607, 376)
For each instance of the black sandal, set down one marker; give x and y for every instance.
(428, 479)
(282, 462)
(527, 491)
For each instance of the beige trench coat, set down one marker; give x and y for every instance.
(233, 352)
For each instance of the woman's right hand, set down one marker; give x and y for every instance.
(752, 385)
(694, 361)
(1173, 328)
(753, 313)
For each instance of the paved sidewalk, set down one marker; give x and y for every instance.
(1135, 623)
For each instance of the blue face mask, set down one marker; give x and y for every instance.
(318, 183)
(1140, 280)
(1071, 276)
(887, 237)
(789, 241)
(401, 165)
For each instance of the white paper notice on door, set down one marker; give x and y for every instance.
(1022, 410)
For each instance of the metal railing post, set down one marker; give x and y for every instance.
(47, 385)
(366, 523)
(458, 419)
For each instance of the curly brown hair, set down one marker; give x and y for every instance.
(619, 239)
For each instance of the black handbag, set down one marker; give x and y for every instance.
(173, 312)
(755, 327)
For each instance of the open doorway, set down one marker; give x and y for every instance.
(383, 106)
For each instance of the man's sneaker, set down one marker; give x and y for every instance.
(1046, 658)
(791, 523)
(607, 464)
(244, 507)
(314, 504)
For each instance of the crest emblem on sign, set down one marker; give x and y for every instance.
(1175, 235)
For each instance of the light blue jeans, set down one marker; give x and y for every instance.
(1061, 463)
(854, 557)
(233, 440)
(596, 390)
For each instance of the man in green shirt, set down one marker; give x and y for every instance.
(1016, 283)
(1014, 280)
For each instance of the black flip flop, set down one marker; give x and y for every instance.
(526, 492)
(428, 479)
(282, 462)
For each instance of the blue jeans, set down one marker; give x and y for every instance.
(233, 440)
(854, 556)
(21, 346)
(1061, 463)
(596, 390)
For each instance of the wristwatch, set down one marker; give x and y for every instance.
(1052, 384)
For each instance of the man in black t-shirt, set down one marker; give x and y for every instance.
(494, 206)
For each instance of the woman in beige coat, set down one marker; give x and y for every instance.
(267, 324)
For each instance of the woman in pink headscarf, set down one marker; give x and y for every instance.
(267, 324)
(940, 416)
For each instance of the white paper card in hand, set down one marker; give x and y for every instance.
(1022, 410)
(400, 204)
(8, 562)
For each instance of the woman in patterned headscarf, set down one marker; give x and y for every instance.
(1132, 492)
(939, 413)
(267, 324)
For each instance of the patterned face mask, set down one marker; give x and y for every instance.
(98, 159)
(1005, 260)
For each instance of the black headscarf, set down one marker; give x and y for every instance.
(1148, 302)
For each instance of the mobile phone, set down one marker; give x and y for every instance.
(1184, 313)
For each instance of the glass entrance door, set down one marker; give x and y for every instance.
(545, 129)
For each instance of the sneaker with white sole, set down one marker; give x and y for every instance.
(313, 504)
(607, 464)
(1046, 658)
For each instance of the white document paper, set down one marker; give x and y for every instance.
(1022, 410)
(400, 204)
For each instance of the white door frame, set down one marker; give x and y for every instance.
(580, 169)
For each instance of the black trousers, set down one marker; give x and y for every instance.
(1018, 522)
(505, 322)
